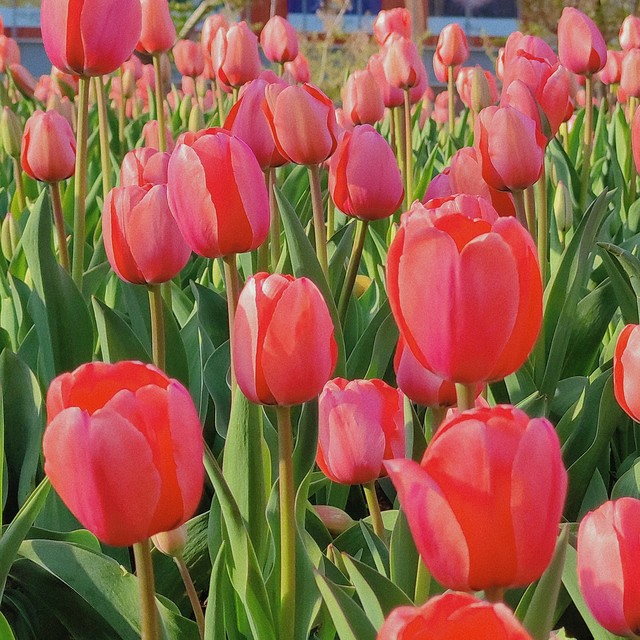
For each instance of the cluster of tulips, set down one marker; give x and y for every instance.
(424, 316)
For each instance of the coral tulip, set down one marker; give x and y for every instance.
(141, 238)
(535, 47)
(48, 149)
(630, 73)
(387, 22)
(391, 96)
(362, 98)
(360, 424)
(608, 547)
(629, 35)
(364, 179)
(23, 79)
(217, 194)
(610, 74)
(209, 30)
(464, 86)
(298, 69)
(150, 135)
(158, 31)
(452, 47)
(626, 362)
(189, 58)
(452, 616)
(9, 53)
(143, 166)
(581, 47)
(123, 449)
(469, 269)
(90, 38)
(279, 40)
(635, 139)
(284, 350)
(478, 515)
(403, 65)
(235, 55)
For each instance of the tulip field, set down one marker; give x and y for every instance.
(279, 367)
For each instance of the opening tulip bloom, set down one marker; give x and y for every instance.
(143, 166)
(361, 423)
(478, 309)
(478, 515)
(397, 20)
(362, 98)
(90, 37)
(453, 616)
(217, 194)
(123, 449)
(608, 547)
(284, 349)
(581, 47)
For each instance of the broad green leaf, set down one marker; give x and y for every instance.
(6, 632)
(403, 556)
(214, 613)
(620, 281)
(215, 373)
(631, 266)
(629, 483)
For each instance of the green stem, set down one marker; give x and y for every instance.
(274, 230)
(331, 218)
(17, 173)
(466, 396)
(218, 94)
(400, 139)
(232, 284)
(518, 199)
(494, 595)
(58, 220)
(439, 414)
(122, 115)
(263, 249)
(150, 629)
(162, 132)
(530, 211)
(80, 183)
(103, 123)
(423, 583)
(191, 593)
(157, 326)
(319, 226)
(452, 100)
(543, 225)
(287, 524)
(586, 143)
(352, 269)
(632, 172)
(408, 149)
(392, 131)
(374, 510)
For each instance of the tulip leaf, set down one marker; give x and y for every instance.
(621, 283)
(6, 632)
(214, 613)
(360, 357)
(350, 620)
(304, 454)
(383, 347)
(629, 483)
(215, 373)
(403, 556)
(631, 266)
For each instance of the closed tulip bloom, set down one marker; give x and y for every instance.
(440, 186)
(90, 37)
(391, 96)
(209, 30)
(630, 73)
(123, 449)
(626, 367)
(629, 35)
(478, 515)
(284, 350)
(581, 47)
(279, 40)
(362, 98)
(364, 178)
(188, 57)
(360, 424)
(387, 22)
(235, 55)
(303, 122)
(48, 149)
(150, 135)
(403, 65)
(610, 74)
(158, 31)
(141, 238)
(218, 195)
(298, 69)
(608, 547)
(441, 71)
(510, 148)
(470, 267)
(452, 616)
(452, 47)
(23, 79)
(464, 86)
(635, 139)
(143, 166)
(9, 53)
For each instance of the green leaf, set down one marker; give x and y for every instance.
(631, 266)
(625, 295)
(629, 483)
(403, 556)
(5, 630)
(214, 613)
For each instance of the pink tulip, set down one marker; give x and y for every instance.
(158, 31)
(533, 46)
(150, 135)
(279, 40)
(298, 69)
(452, 48)
(402, 63)
(464, 85)
(189, 58)
(440, 186)
(629, 35)
(391, 96)
(235, 55)
(581, 47)
(630, 73)
(23, 79)
(387, 22)
(9, 53)
(610, 74)
(144, 166)
(209, 30)
(362, 98)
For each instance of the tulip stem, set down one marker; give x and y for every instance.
(352, 269)
(122, 115)
(162, 132)
(423, 583)
(232, 284)
(318, 218)
(494, 594)
(144, 570)
(287, 524)
(530, 211)
(191, 592)
(17, 172)
(452, 97)
(274, 229)
(103, 123)
(408, 149)
(157, 326)
(400, 138)
(587, 142)
(218, 92)
(518, 199)
(331, 218)
(80, 182)
(392, 131)
(543, 224)
(466, 396)
(631, 165)
(58, 220)
(374, 510)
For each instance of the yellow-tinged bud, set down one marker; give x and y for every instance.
(171, 543)
(11, 132)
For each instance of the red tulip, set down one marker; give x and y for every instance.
(630, 73)
(403, 65)
(629, 35)
(610, 74)
(478, 515)
(469, 269)
(302, 121)
(510, 148)
(144, 166)
(9, 53)
(279, 40)
(452, 48)
(123, 449)
(387, 22)
(217, 194)
(581, 47)
(141, 238)
(362, 98)
(298, 69)
(608, 548)
(626, 363)
(284, 350)
(158, 31)
(48, 149)
(90, 37)
(361, 423)
(453, 616)
(235, 55)
(189, 58)
(364, 179)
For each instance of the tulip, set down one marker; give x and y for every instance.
(150, 135)
(362, 98)
(335, 520)
(209, 30)
(469, 268)
(217, 195)
(480, 519)
(440, 186)
(361, 423)
(626, 366)
(629, 35)
(188, 57)
(123, 449)
(535, 47)
(635, 139)
(487, 89)
(171, 543)
(298, 69)
(48, 150)
(630, 73)
(144, 166)
(23, 79)
(9, 53)
(610, 74)
(90, 38)
(608, 545)
(441, 107)
(158, 31)
(391, 96)
(403, 65)
(450, 616)
(581, 47)
(452, 47)
(282, 325)
(64, 107)
(279, 40)
(235, 55)
(390, 21)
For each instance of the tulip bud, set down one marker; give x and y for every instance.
(563, 208)
(158, 31)
(581, 47)
(196, 119)
(171, 543)
(279, 40)
(480, 91)
(335, 520)
(10, 132)
(185, 108)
